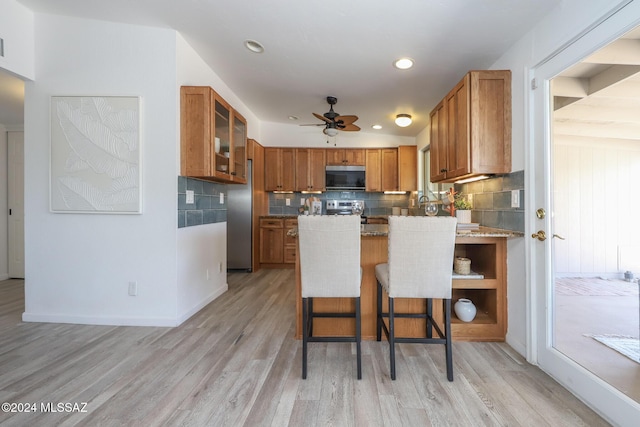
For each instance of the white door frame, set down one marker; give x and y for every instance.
(613, 405)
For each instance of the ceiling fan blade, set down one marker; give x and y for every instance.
(349, 128)
(313, 124)
(346, 120)
(323, 118)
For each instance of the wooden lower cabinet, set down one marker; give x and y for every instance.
(488, 257)
(277, 250)
(290, 243)
(271, 241)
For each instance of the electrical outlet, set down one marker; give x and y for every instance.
(222, 198)
(515, 198)
(133, 289)
(190, 197)
(301, 201)
(287, 202)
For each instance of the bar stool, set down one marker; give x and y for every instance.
(420, 263)
(329, 268)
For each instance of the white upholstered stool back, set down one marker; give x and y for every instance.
(329, 255)
(421, 252)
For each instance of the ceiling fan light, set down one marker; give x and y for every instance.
(403, 120)
(330, 131)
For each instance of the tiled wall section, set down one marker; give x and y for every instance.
(375, 203)
(492, 201)
(207, 208)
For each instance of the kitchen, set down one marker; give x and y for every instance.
(160, 174)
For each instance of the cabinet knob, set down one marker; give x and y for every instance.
(443, 170)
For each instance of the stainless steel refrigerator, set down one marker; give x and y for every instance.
(239, 224)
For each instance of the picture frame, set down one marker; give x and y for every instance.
(95, 154)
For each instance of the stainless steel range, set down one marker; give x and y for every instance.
(344, 207)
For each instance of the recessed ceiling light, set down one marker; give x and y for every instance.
(293, 118)
(403, 63)
(254, 46)
(403, 120)
(377, 127)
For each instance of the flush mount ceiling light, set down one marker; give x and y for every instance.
(403, 63)
(254, 46)
(403, 120)
(377, 127)
(293, 118)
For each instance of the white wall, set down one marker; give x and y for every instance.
(78, 266)
(595, 206)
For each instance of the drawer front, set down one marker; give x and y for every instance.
(271, 223)
(291, 223)
(290, 254)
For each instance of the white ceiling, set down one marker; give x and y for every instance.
(315, 48)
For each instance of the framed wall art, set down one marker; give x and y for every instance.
(95, 154)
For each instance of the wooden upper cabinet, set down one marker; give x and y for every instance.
(196, 131)
(279, 169)
(239, 154)
(345, 156)
(373, 175)
(212, 137)
(310, 169)
(408, 168)
(438, 144)
(471, 128)
(381, 169)
(389, 169)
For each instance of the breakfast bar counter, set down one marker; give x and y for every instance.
(485, 286)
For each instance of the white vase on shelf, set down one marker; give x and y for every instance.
(464, 216)
(465, 310)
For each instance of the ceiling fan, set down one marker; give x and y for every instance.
(333, 122)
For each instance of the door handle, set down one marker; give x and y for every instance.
(540, 235)
(559, 237)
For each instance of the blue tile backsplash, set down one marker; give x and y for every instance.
(492, 201)
(206, 208)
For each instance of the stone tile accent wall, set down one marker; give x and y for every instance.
(374, 203)
(207, 208)
(492, 201)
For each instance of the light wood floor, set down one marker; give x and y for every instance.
(235, 363)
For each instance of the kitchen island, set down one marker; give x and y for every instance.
(486, 287)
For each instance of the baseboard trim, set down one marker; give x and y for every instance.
(124, 321)
(185, 316)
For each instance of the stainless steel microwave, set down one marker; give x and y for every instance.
(345, 178)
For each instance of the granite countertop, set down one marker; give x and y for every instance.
(373, 230)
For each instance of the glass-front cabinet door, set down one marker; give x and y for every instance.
(222, 138)
(239, 141)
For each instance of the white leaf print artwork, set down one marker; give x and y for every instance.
(95, 154)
